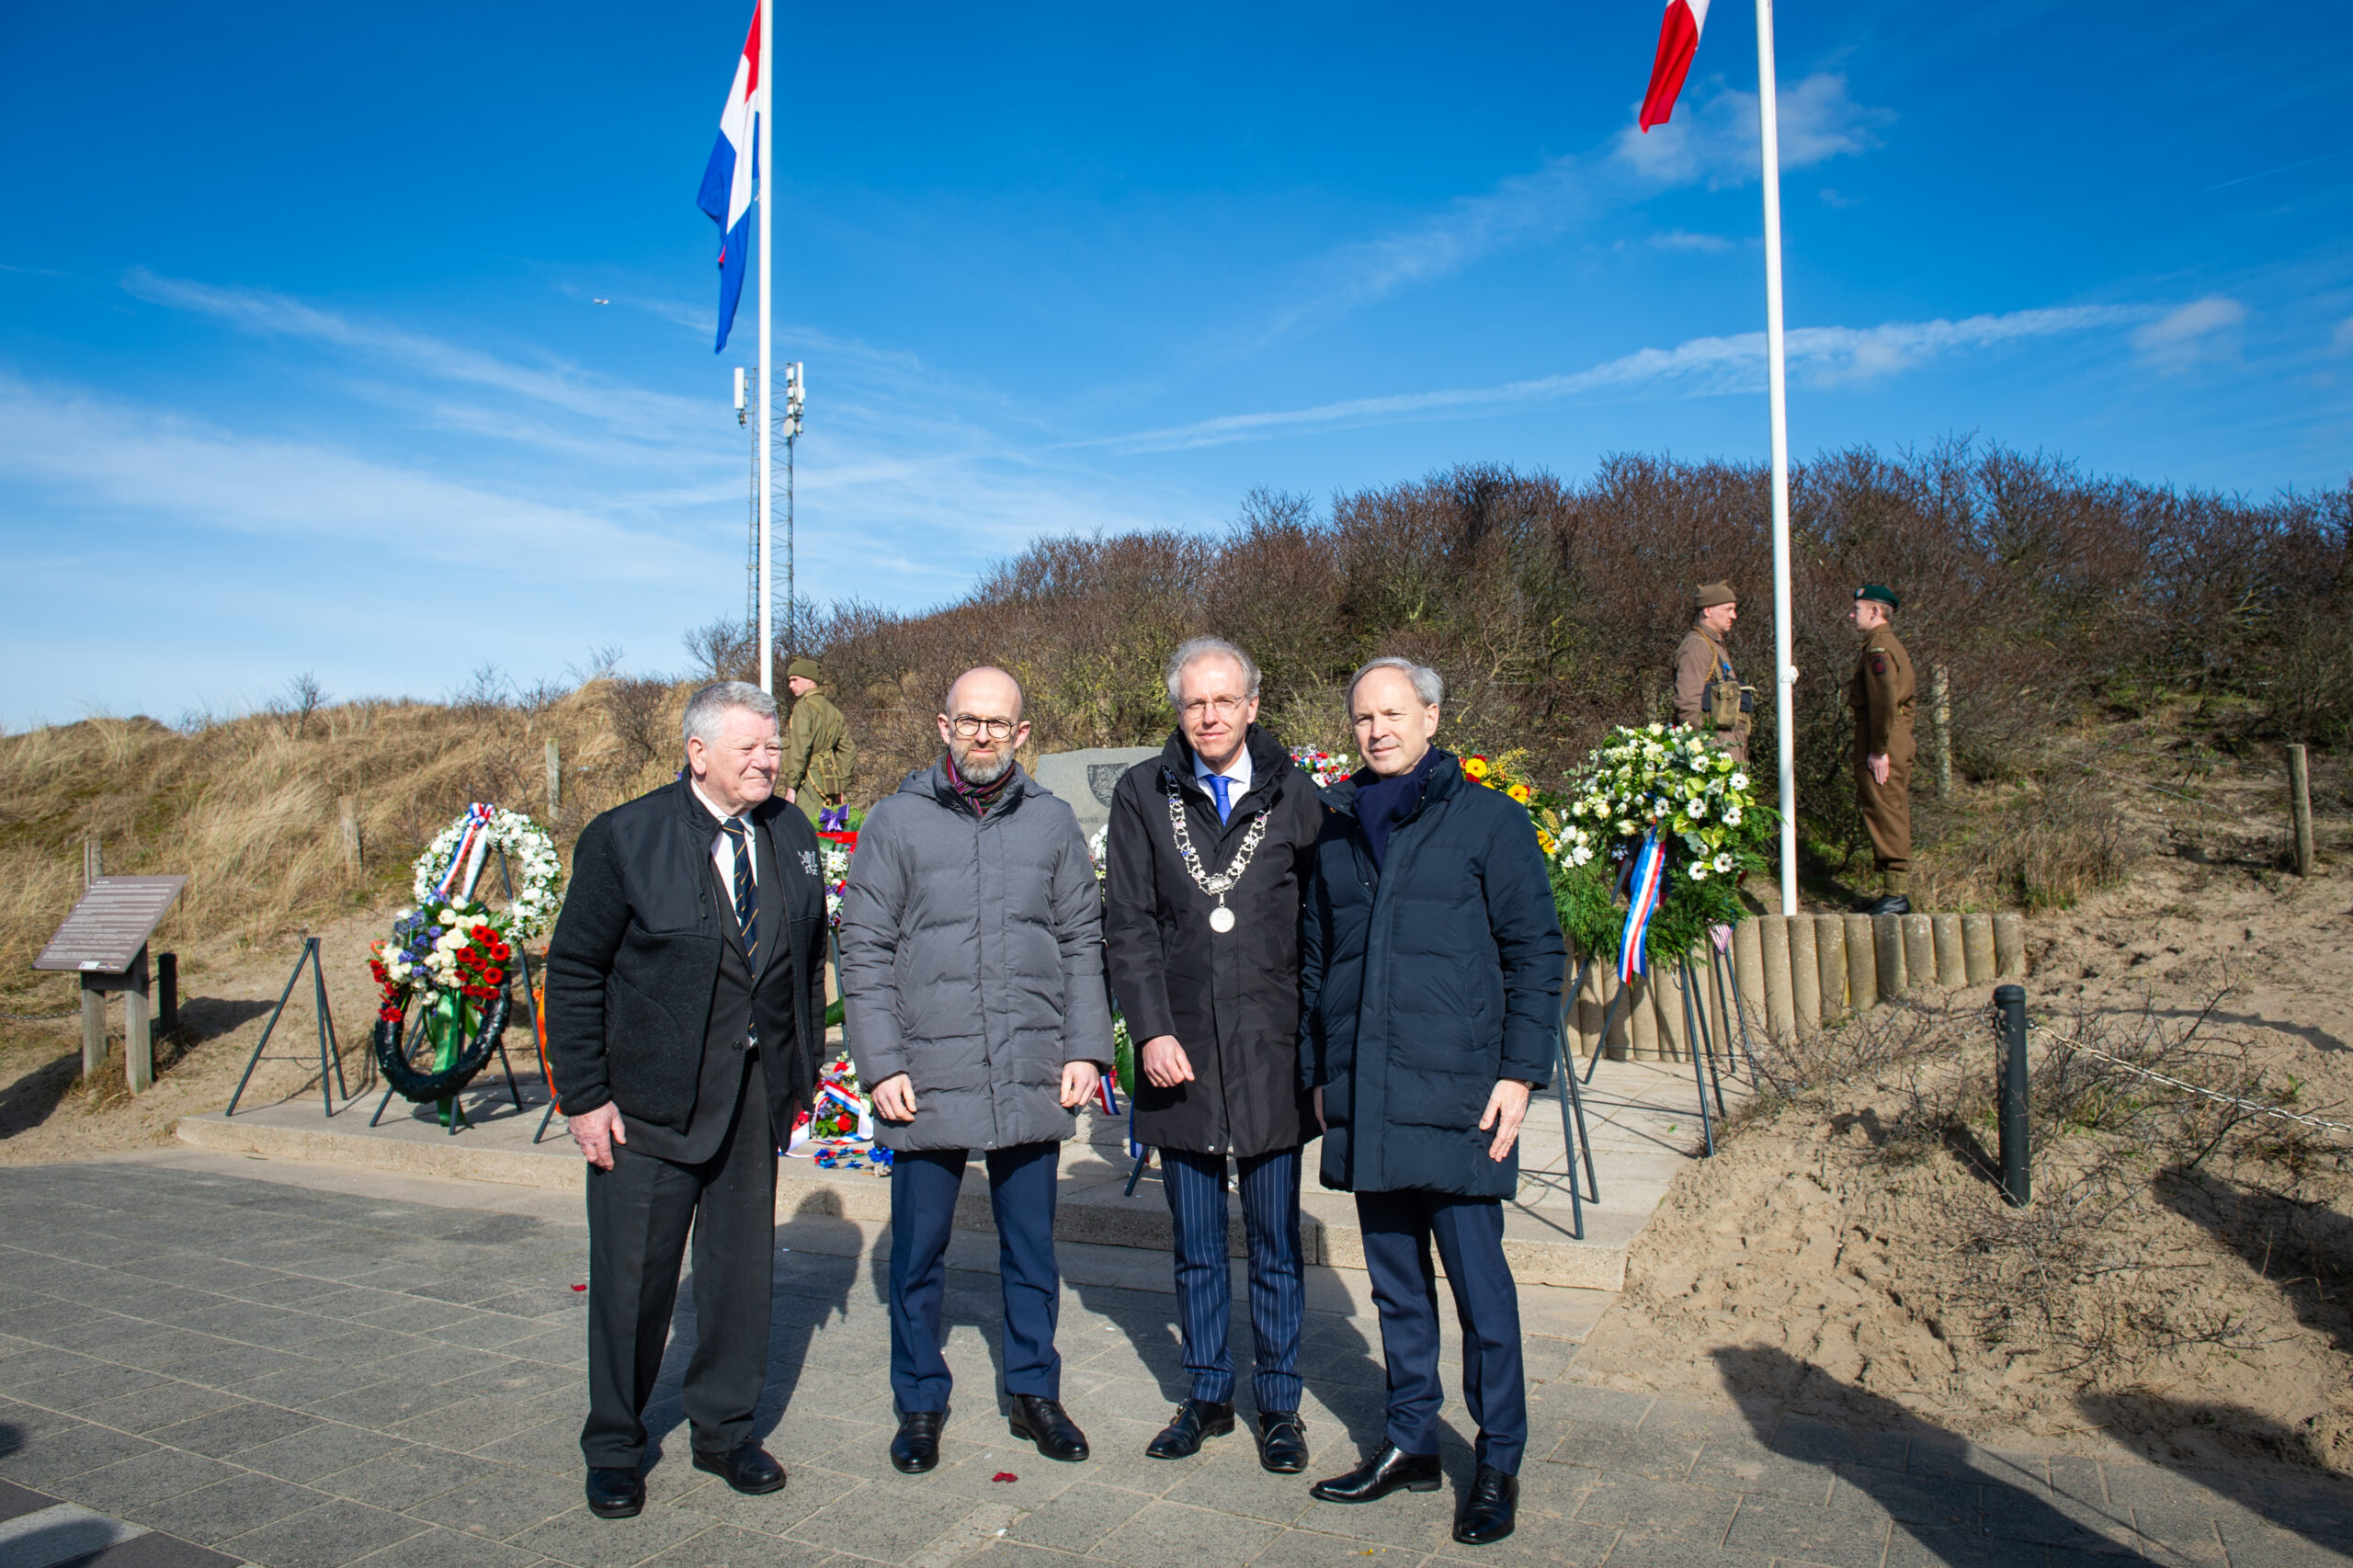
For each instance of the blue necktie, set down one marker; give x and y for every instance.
(1220, 783)
(747, 897)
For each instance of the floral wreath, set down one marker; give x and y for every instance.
(451, 950)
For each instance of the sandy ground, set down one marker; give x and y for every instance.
(1801, 1262)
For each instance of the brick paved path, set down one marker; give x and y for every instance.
(306, 1379)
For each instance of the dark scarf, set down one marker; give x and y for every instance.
(1383, 803)
(979, 797)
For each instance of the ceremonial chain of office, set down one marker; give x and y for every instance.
(1220, 918)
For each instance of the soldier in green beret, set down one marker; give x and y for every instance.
(1708, 697)
(1881, 698)
(815, 772)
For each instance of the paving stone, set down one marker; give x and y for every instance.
(402, 1478)
(439, 1548)
(155, 1550)
(165, 1404)
(499, 1501)
(1079, 1517)
(328, 1536)
(1779, 1527)
(2055, 1520)
(580, 1539)
(1942, 1503)
(2253, 1546)
(16, 1500)
(725, 1546)
(1804, 1437)
(1235, 1482)
(169, 1351)
(1643, 1506)
(307, 1383)
(1748, 1466)
(382, 1404)
(1919, 1547)
(211, 1515)
(65, 1451)
(92, 1333)
(21, 1423)
(1311, 1549)
(1622, 1451)
(1660, 1552)
(166, 1473)
(2172, 1491)
(891, 1522)
(82, 1387)
(1170, 1535)
(2190, 1536)
(321, 1448)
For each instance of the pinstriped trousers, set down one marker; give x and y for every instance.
(1196, 1188)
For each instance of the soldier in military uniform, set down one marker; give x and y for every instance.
(817, 751)
(1708, 697)
(1881, 698)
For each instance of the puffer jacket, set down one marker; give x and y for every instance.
(1424, 981)
(971, 961)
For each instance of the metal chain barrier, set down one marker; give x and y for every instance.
(41, 1017)
(2254, 1107)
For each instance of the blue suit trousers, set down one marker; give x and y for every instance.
(1196, 1188)
(1398, 1229)
(923, 1188)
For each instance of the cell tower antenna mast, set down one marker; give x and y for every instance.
(795, 395)
(752, 550)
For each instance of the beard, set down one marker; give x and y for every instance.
(982, 769)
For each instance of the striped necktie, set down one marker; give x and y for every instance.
(747, 896)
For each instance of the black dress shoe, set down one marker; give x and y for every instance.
(1887, 903)
(1283, 1441)
(1194, 1419)
(1488, 1507)
(1388, 1469)
(748, 1470)
(615, 1493)
(916, 1448)
(1045, 1423)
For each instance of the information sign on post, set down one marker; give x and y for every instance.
(104, 942)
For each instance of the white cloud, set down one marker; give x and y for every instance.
(1717, 143)
(1702, 367)
(2193, 332)
(1681, 239)
(2342, 342)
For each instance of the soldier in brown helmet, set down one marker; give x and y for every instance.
(1881, 698)
(1708, 697)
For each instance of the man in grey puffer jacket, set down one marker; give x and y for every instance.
(971, 958)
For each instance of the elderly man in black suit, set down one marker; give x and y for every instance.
(685, 1022)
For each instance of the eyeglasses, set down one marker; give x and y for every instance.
(967, 726)
(1223, 706)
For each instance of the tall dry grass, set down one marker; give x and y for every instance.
(247, 809)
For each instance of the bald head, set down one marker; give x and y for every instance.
(981, 724)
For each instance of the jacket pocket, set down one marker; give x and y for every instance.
(639, 1033)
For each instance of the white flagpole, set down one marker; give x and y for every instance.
(765, 141)
(1784, 674)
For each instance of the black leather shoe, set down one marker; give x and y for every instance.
(748, 1470)
(1888, 904)
(1283, 1441)
(1194, 1419)
(1488, 1507)
(615, 1493)
(1388, 1469)
(1045, 1423)
(916, 1448)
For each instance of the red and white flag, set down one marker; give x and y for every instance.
(1678, 39)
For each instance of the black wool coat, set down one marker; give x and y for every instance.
(1423, 981)
(634, 960)
(1232, 1000)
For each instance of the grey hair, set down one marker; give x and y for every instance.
(707, 706)
(1429, 685)
(1194, 648)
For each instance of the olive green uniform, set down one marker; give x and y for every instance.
(817, 754)
(1701, 661)
(1881, 698)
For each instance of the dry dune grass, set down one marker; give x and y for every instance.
(247, 809)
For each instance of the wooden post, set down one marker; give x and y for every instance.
(2299, 805)
(92, 866)
(555, 780)
(167, 993)
(93, 1030)
(346, 833)
(1940, 717)
(1862, 962)
(138, 1043)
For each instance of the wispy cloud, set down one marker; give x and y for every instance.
(1702, 368)
(2181, 337)
(1682, 239)
(1716, 144)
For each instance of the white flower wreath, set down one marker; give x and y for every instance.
(531, 859)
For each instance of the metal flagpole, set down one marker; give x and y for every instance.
(765, 141)
(1784, 674)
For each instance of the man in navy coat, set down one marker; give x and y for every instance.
(1430, 992)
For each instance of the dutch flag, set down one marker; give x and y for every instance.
(727, 182)
(1678, 40)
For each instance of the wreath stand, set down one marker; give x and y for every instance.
(328, 1050)
(457, 1111)
(1696, 1032)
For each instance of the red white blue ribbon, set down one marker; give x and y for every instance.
(477, 824)
(1646, 887)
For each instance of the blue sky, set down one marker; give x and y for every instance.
(302, 365)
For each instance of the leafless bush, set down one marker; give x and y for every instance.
(637, 713)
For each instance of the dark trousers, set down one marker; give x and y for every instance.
(1196, 1188)
(639, 1214)
(924, 1189)
(1398, 1229)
